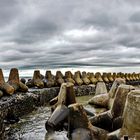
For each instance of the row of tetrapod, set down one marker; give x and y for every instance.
(78, 78)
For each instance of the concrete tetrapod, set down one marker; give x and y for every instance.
(112, 92)
(85, 79)
(69, 77)
(93, 79)
(100, 100)
(106, 100)
(59, 78)
(77, 79)
(14, 78)
(131, 116)
(5, 87)
(105, 78)
(100, 88)
(49, 80)
(110, 77)
(36, 81)
(65, 97)
(98, 77)
(112, 119)
(120, 100)
(80, 127)
(15, 82)
(60, 104)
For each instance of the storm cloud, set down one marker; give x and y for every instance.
(60, 33)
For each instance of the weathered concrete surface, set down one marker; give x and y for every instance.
(112, 119)
(117, 108)
(101, 88)
(100, 100)
(19, 104)
(131, 125)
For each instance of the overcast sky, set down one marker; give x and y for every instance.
(61, 33)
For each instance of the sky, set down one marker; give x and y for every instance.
(70, 33)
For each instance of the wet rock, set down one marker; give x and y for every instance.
(13, 107)
(2, 127)
(84, 90)
(100, 88)
(131, 124)
(100, 100)
(5, 87)
(30, 83)
(23, 80)
(22, 87)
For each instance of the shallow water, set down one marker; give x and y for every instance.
(32, 126)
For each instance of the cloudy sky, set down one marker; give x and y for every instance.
(69, 33)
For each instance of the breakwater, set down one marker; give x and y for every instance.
(19, 97)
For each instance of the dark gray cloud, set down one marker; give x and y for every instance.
(62, 33)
